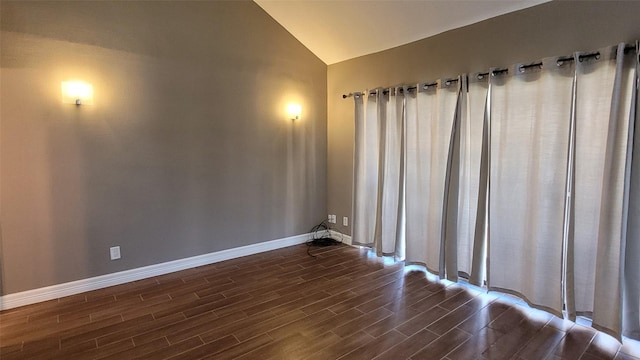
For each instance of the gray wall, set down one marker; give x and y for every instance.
(550, 29)
(187, 149)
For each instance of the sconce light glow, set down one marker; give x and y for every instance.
(294, 111)
(77, 92)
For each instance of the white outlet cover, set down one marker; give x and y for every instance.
(345, 221)
(115, 252)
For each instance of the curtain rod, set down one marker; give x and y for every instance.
(480, 76)
(409, 88)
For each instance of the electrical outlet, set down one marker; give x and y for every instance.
(332, 219)
(115, 252)
(345, 221)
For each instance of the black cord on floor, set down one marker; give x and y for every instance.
(320, 237)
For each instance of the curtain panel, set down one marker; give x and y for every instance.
(530, 118)
(631, 268)
(366, 163)
(379, 171)
(472, 186)
(522, 178)
(601, 127)
(388, 234)
(429, 132)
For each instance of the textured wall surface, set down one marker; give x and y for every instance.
(187, 149)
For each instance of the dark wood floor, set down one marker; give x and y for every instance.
(284, 304)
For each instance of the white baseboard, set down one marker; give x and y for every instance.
(346, 239)
(75, 287)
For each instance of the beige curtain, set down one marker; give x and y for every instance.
(530, 118)
(527, 180)
(379, 171)
(594, 268)
(366, 163)
(631, 282)
(471, 254)
(429, 121)
(449, 249)
(389, 235)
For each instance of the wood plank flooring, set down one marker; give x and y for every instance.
(283, 304)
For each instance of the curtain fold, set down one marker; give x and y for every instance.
(449, 250)
(631, 282)
(481, 234)
(472, 190)
(427, 150)
(391, 178)
(603, 99)
(366, 163)
(530, 113)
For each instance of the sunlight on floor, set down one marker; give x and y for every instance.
(629, 346)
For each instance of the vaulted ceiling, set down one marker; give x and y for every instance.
(338, 30)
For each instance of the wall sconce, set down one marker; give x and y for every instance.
(294, 111)
(77, 92)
